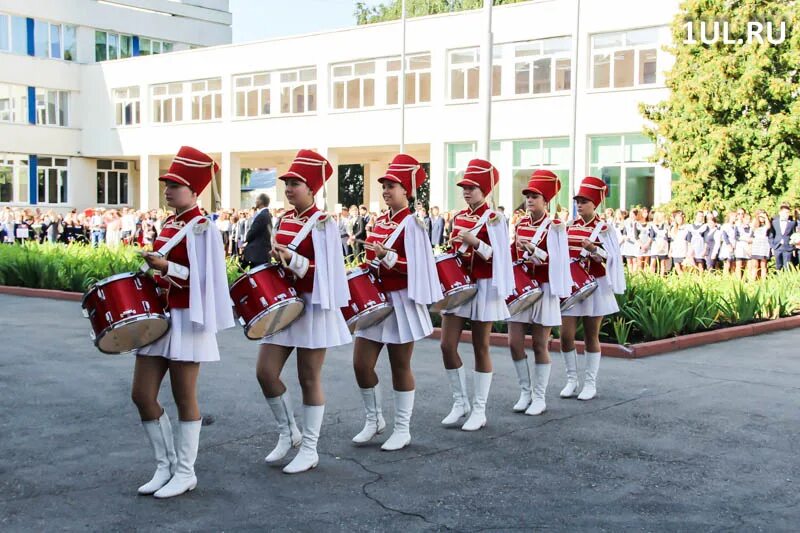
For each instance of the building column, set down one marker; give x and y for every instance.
(373, 196)
(148, 182)
(231, 169)
(438, 175)
(505, 165)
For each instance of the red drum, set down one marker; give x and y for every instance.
(526, 289)
(583, 285)
(126, 312)
(265, 301)
(368, 304)
(457, 286)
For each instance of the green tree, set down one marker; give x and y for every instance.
(416, 8)
(730, 129)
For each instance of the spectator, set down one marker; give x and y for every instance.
(781, 230)
(98, 227)
(258, 240)
(761, 248)
(437, 227)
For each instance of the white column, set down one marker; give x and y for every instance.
(82, 184)
(438, 175)
(148, 182)
(84, 42)
(231, 170)
(372, 189)
(504, 164)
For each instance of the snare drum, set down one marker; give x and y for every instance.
(368, 304)
(583, 285)
(265, 301)
(126, 312)
(526, 289)
(457, 286)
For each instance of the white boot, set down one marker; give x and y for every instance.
(571, 365)
(288, 434)
(458, 384)
(524, 378)
(482, 381)
(589, 390)
(401, 436)
(160, 434)
(540, 379)
(375, 423)
(184, 478)
(307, 457)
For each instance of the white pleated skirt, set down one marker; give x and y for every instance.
(185, 341)
(602, 302)
(487, 306)
(315, 328)
(409, 322)
(545, 312)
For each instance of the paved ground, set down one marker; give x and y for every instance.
(705, 439)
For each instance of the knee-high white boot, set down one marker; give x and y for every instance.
(571, 365)
(374, 423)
(477, 419)
(403, 407)
(184, 478)
(288, 434)
(541, 378)
(589, 390)
(458, 384)
(524, 378)
(307, 458)
(159, 432)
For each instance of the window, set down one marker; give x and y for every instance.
(13, 179)
(353, 85)
(550, 154)
(56, 41)
(52, 107)
(418, 79)
(252, 95)
(112, 182)
(543, 66)
(167, 100)
(5, 33)
(153, 47)
(458, 156)
(13, 103)
(626, 59)
(464, 73)
(13, 34)
(52, 179)
(206, 99)
(109, 46)
(127, 106)
(621, 161)
(298, 88)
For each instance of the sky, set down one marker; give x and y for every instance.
(265, 19)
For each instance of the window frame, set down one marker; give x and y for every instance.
(417, 77)
(198, 96)
(475, 63)
(293, 86)
(177, 103)
(595, 168)
(530, 61)
(245, 91)
(118, 36)
(106, 176)
(122, 102)
(19, 168)
(345, 80)
(43, 110)
(637, 49)
(16, 116)
(62, 180)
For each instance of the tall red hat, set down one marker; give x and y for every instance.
(311, 168)
(593, 189)
(192, 168)
(401, 169)
(482, 174)
(545, 183)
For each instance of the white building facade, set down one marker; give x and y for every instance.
(92, 115)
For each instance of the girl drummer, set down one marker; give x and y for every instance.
(184, 248)
(593, 244)
(399, 247)
(307, 242)
(542, 243)
(480, 235)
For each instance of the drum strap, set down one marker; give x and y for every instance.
(476, 228)
(539, 235)
(592, 238)
(174, 240)
(305, 230)
(391, 240)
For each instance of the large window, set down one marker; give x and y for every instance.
(109, 45)
(298, 89)
(621, 161)
(627, 59)
(418, 79)
(52, 107)
(13, 103)
(458, 156)
(542, 66)
(13, 179)
(52, 177)
(464, 73)
(153, 47)
(13, 34)
(353, 85)
(550, 154)
(112, 182)
(127, 106)
(206, 99)
(252, 94)
(56, 41)
(167, 101)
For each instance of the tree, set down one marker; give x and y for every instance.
(416, 8)
(730, 129)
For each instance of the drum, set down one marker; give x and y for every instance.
(526, 289)
(457, 286)
(265, 301)
(583, 285)
(126, 312)
(368, 304)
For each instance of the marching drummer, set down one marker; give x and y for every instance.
(480, 235)
(307, 243)
(594, 244)
(399, 247)
(189, 260)
(541, 243)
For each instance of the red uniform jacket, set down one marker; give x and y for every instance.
(576, 232)
(177, 289)
(477, 266)
(395, 278)
(526, 229)
(289, 226)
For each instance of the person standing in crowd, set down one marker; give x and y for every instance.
(713, 242)
(781, 230)
(113, 229)
(448, 226)
(258, 241)
(795, 238)
(678, 241)
(644, 241)
(697, 240)
(744, 243)
(342, 222)
(128, 225)
(422, 214)
(659, 244)
(727, 249)
(630, 246)
(360, 223)
(437, 227)
(98, 227)
(760, 252)
(223, 222)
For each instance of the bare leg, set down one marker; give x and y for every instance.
(148, 373)
(569, 324)
(452, 326)
(541, 338)
(591, 333)
(365, 357)
(271, 359)
(309, 373)
(516, 340)
(400, 360)
(183, 377)
(480, 345)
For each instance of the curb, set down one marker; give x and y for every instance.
(41, 293)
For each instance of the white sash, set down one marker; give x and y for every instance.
(174, 240)
(476, 229)
(391, 240)
(592, 237)
(305, 230)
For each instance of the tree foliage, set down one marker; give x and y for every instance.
(731, 126)
(416, 8)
